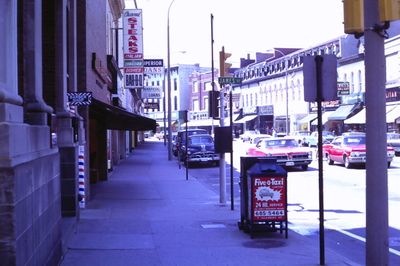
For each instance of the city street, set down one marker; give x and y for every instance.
(344, 203)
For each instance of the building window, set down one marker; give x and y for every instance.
(175, 103)
(352, 83)
(360, 81)
(195, 86)
(195, 105)
(175, 85)
(205, 103)
(207, 86)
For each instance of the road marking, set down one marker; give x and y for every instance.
(391, 250)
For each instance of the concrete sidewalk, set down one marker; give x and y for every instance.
(147, 213)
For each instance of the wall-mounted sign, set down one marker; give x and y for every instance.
(79, 98)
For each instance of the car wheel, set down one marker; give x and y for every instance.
(304, 167)
(330, 161)
(347, 163)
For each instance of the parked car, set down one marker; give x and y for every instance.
(286, 151)
(181, 138)
(159, 135)
(200, 149)
(349, 149)
(393, 140)
(301, 136)
(247, 135)
(255, 139)
(312, 140)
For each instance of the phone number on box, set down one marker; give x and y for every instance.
(269, 213)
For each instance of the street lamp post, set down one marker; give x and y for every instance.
(169, 89)
(286, 91)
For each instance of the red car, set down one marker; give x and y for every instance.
(349, 149)
(285, 150)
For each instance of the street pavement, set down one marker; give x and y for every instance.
(148, 213)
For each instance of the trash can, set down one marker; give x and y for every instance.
(263, 194)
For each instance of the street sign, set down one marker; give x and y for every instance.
(229, 80)
(79, 98)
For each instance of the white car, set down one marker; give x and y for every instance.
(248, 135)
(312, 140)
(393, 140)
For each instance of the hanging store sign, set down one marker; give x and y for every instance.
(79, 98)
(133, 48)
(152, 105)
(153, 66)
(343, 88)
(151, 93)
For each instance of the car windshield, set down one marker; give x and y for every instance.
(201, 140)
(354, 140)
(280, 143)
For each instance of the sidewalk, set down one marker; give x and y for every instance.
(147, 213)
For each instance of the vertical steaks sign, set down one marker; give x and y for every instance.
(133, 48)
(269, 198)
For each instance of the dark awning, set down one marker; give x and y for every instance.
(117, 118)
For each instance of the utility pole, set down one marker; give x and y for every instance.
(377, 247)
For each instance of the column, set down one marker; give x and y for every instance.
(35, 108)
(8, 69)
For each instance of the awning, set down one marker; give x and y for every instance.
(245, 119)
(393, 114)
(227, 120)
(119, 119)
(201, 123)
(342, 112)
(360, 117)
(307, 119)
(324, 118)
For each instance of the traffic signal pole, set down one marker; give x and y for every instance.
(222, 163)
(377, 247)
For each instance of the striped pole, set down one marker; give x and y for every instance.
(81, 176)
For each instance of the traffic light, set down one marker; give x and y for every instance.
(389, 10)
(353, 16)
(223, 65)
(213, 98)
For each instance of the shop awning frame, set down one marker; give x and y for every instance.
(119, 119)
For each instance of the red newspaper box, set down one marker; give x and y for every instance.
(267, 198)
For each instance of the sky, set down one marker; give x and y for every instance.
(242, 27)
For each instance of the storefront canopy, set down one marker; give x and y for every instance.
(342, 112)
(201, 123)
(324, 118)
(307, 119)
(392, 113)
(358, 118)
(119, 119)
(245, 119)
